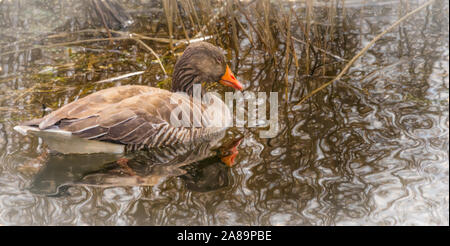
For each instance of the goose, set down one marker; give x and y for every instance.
(134, 117)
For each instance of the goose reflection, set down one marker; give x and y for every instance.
(202, 165)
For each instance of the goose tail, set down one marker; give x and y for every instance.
(64, 142)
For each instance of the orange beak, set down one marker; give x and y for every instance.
(229, 160)
(232, 153)
(228, 79)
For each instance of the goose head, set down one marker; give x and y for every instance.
(202, 62)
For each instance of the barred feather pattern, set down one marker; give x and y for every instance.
(136, 116)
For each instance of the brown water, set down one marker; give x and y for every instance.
(372, 149)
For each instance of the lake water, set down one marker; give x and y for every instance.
(371, 149)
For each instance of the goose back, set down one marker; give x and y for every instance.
(137, 116)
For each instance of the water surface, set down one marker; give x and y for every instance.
(372, 149)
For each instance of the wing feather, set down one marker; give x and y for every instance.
(93, 103)
(131, 115)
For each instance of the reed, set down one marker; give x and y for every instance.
(295, 39)
(364, 50)
(169, 7)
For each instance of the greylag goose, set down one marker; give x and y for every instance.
(132, 117)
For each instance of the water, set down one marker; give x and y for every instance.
(372, 149)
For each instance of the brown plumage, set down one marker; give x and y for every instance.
(139, 116)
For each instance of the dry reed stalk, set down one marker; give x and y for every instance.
(192, 9)
(23, 93)
(182, 24)
(288, 48)
(266, 28)
(364, 50)
(331, 13)
(140, 36)
(258, 33)
(120, 77)
(124, 36)
(64, 44)
(211, 20)
(103, 20)
(169, 6)
(250, 39)
(319, 49)
(234, 31)
(152, 51)
(60, 35)
(309, 5)
(186, 7)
